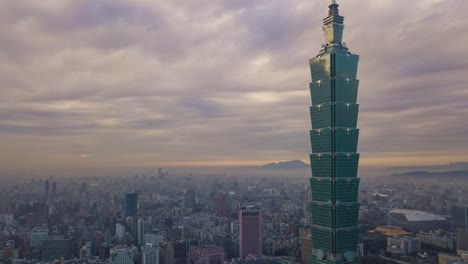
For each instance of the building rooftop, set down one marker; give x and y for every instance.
(208, 249)
(418, 216)
(390, 231)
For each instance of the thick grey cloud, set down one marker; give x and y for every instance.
(142, 82)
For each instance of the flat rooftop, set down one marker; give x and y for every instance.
(418, 216)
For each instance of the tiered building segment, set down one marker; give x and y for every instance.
(334, 138)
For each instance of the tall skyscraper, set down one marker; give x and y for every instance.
(190, 197)
(459, 217)
(462, 239)
(46, 188)
(120, 231)
(141, 232)
(131, 204)
(143, 228)
(250, 232)
(231, 203)
(54, 188)
(334, 138)
(166, 252)
(221, 205)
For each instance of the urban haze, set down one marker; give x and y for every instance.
(233, 132)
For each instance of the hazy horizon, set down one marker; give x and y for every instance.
(257, 170)
(133, 84)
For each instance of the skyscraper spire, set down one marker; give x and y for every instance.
(333, 25)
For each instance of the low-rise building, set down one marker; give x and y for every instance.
(206, 255)
(415, 221)
(150, 254)
(122, 255)
(55, 249)
(403, 245)
(36, 237)
(445, 258)
(437, 238)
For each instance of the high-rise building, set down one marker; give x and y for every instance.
(190, 197)
(166, 252)
(459, 217)
(143, 228)
(121, 255)
(46, 188)
(150, 254)
(231, 203)
(54, 189)
(181, 248)
(462, 239)
(141, 232)
(131, 204)
(306, 249)
(250, 232)
(120, 231)
(334, 138)
(306, 246)
(221, 205)
(206, 255)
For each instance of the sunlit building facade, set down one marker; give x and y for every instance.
(334, 138)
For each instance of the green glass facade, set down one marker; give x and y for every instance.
(334, 138)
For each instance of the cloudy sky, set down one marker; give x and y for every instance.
(100, 83)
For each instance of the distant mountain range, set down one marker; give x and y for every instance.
(428, 175)
(286, 165)
(456, 170)
(453, 166)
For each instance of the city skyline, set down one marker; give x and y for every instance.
(143, 83)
